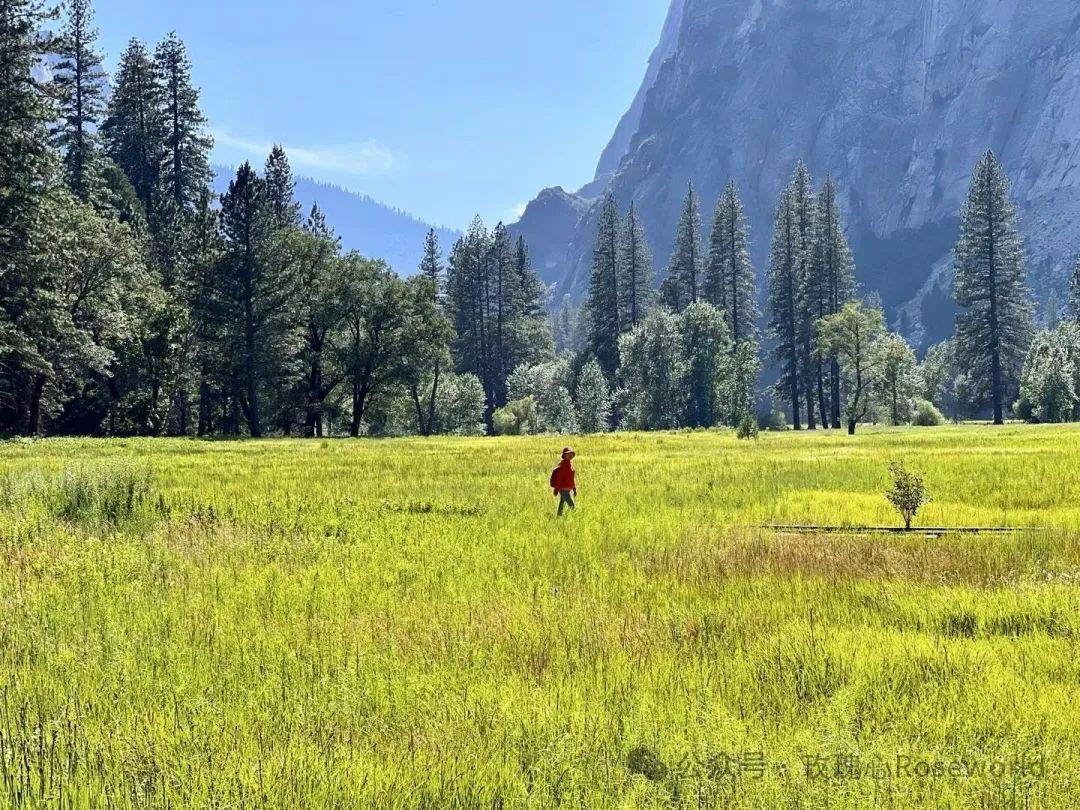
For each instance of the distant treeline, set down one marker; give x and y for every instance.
(134, 302)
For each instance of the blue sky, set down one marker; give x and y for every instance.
(444, 109)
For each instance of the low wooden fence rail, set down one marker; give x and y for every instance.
(929, 531)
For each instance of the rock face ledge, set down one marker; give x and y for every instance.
(897, 100)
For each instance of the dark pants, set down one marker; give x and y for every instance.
(566, 498)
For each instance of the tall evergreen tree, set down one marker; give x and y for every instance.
(80, 84)
(25, 294)
(203, 253)
(431, 262)
(256, 296)
(993, 330)
(186, 171)
(635, 285)
(505, 305)
(317, 249)
(469, 299)
(729, 284)
(280, 186)
(134, 131)
(602, 302)
(783, 282)
(424, 382)
(682, 286)
(832, 279)
(566, 327)
(809, 291)
(529, 287)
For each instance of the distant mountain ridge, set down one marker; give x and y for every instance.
(364, 225)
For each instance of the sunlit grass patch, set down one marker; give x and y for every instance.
(407, 624)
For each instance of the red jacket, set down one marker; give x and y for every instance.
(565, 476)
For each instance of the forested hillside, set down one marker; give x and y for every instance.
(362, 223)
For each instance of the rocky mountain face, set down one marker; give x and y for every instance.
(896, 100)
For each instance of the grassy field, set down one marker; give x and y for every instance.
(387, 624)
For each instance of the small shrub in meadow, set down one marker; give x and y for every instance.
(747, 428)
(927, 415)
(908, 493)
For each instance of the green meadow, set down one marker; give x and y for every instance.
(404, 623)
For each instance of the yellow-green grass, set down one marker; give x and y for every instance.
(292, 624)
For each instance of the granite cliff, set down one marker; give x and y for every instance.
(895, 100)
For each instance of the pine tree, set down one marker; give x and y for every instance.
(635, 285)
(833, 279)
(280, 187)
(994, 328)
(256, 297)
(203, 253)
(134, 131)
(80, 84)
(566, 327)
(505, 305)
(783, 283)
(431, 262)
(25, 294)
(424, 383)
(683, 284)
(317, 250)
(529, 286)
(186, 170)
(602, 302)
(809, 292)
(729, 283)
(468, 298)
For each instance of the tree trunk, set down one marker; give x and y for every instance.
(359, 398)
(431, 402)
(33, 422)
(995, 337)
(834, 374)
(205, 414)
(796, 422)
(252, 409)
(183, 411)
(314, 405)
(414, 392)
(821, 393)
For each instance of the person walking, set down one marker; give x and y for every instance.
(564, 481)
